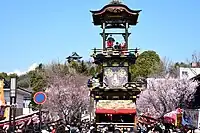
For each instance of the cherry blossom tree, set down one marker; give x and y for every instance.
(67, 92)
(165, 95)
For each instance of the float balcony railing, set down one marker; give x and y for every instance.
(115, 52)
(115, 97)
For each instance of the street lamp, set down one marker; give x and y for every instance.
(13, 90)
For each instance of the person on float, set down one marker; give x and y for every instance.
(122, 47)
(110, 41)
(117, 46)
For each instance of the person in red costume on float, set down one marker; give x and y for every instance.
(123, 47)
(110, 42)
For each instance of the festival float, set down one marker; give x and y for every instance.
(112, 93)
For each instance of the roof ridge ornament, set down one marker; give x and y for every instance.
(115, 2)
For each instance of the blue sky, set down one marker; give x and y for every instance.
(34, 31)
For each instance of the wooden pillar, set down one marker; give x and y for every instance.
(126, 35)
(104, 35)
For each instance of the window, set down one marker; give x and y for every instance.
(184, 73)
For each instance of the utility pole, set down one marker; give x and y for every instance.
(40, 118)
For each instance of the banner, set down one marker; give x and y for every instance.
(190, 118)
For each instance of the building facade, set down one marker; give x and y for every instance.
(23, 99)
(188, 72)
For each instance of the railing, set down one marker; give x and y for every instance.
(115, 52)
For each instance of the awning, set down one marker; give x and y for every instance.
(117, 111)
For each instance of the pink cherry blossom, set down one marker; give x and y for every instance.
(165, 95)
(67, 94)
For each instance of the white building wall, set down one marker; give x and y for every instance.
(22, 103)
(188, 72)
(20, 100)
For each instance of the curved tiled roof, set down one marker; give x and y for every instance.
(115, 5)
(115, 12)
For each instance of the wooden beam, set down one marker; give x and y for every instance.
(114, 34)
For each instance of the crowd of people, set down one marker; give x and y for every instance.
(55, 127)
(164, 128)
(145, 125)
(87, 127)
